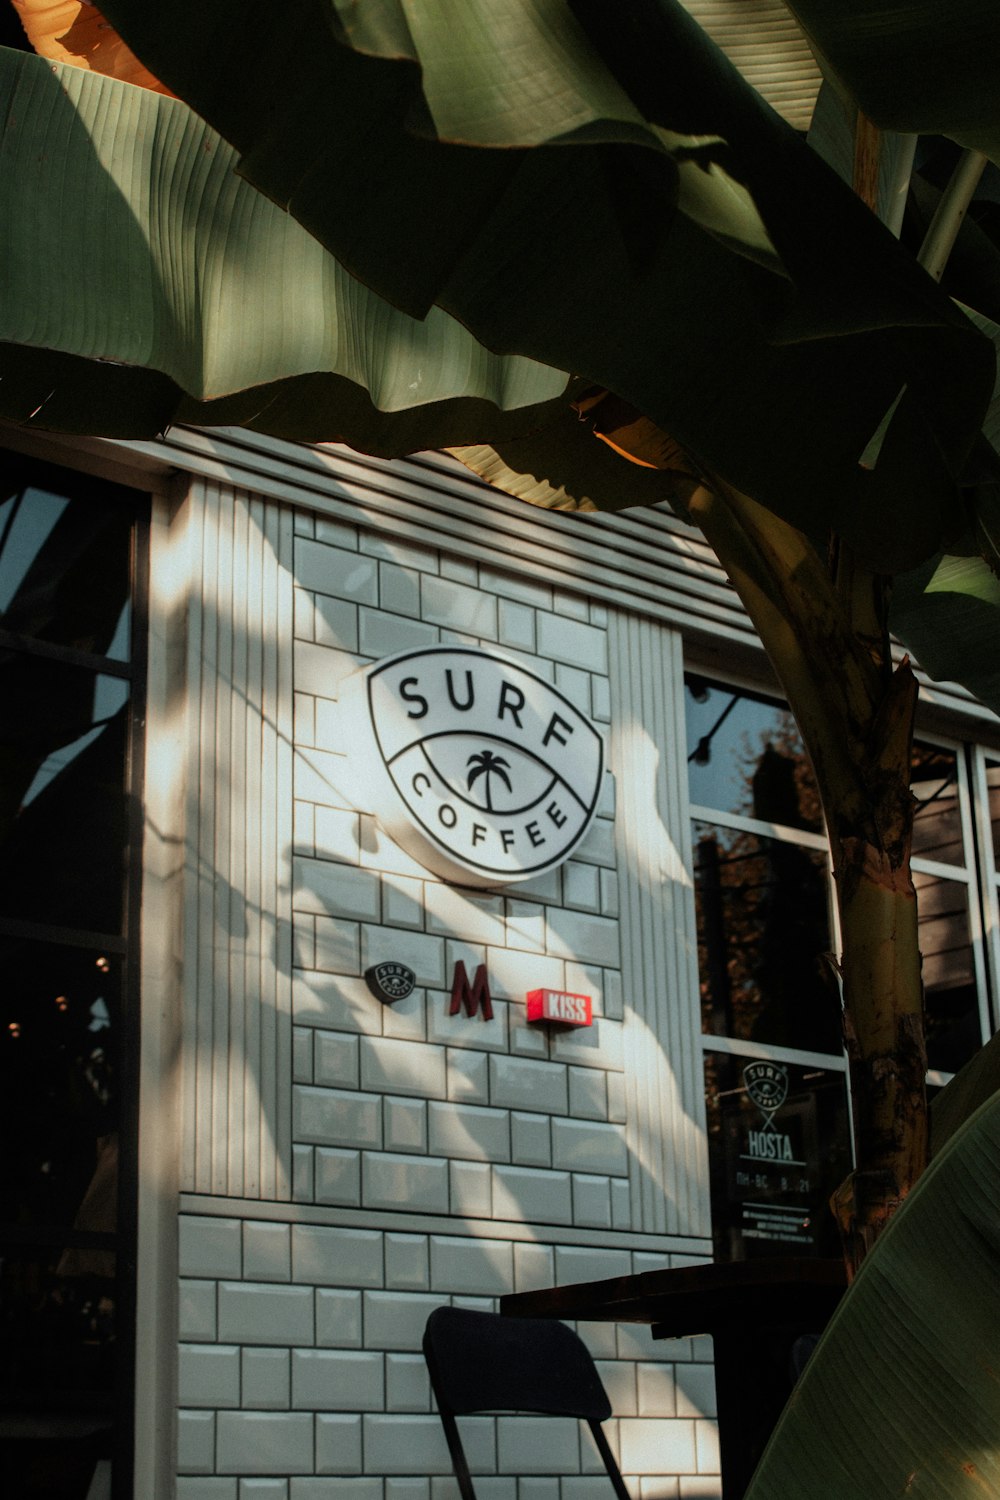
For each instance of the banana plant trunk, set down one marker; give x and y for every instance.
(823, 627)
(883, 1010)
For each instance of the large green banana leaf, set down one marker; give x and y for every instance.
(976, 1082)
(947, 610)
(156, 329)
(144, 282)
(563, 466)
(901, 1399)
(768, 46)
(913, 65)
(595, 186)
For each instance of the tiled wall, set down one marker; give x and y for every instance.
(407, 1105)
(434, 1158)
(301, 1376)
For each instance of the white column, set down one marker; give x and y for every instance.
(664, 1083)
(238, 956)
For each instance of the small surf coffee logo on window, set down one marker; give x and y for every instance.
(481, 770)
(767, 1085)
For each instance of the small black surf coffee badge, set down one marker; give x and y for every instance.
(389, 982)
(767, 1085)
(481, 771)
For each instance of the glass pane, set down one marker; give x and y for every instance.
(764, 941)
(952, 1007)
(65, 565)
(58, 1322)
(778, 1146)
(63, 807)
(60, 1019)
(937, 824)
(745, 756)
(993, 783)
(57, 1370)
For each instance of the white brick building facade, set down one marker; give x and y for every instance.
(347, 1167)
(318, 1171)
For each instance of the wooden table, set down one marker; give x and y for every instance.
(754, 1310)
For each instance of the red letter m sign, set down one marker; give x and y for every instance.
(471, 996)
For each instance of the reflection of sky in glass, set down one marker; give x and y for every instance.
(118, 648)
(734, 747)
(29, 525)
(110, 693)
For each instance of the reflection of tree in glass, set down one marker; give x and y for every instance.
(763, 928)
(727, 734)
(762, 908)
(779, 781)
(763, 913)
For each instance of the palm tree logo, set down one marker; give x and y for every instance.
(489, 765)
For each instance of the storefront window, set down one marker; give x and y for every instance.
(766, 944)
(72, 684)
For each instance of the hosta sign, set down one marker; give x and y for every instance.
(479, 769)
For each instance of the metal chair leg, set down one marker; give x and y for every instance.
(603, 1448)
(458, 1459)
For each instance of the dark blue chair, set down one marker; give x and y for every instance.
(482, 1362)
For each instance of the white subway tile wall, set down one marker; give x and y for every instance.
(300, 1374)
(354, 907)
(282, 1381)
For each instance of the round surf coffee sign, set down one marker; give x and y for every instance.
(479, 769)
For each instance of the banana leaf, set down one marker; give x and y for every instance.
(74, 31)
(947, 613)
(146, 283)
(947, 610)
(181, 351)
(596, 187)
(766, 44)
(901, 1396)
(911, 66)
(970, 1088)
(564, 467)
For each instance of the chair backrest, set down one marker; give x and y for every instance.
(485, 1362)
(481, 1362)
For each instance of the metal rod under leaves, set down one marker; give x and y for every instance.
(947, 220)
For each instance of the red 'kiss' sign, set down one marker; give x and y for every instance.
(557, 1005)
